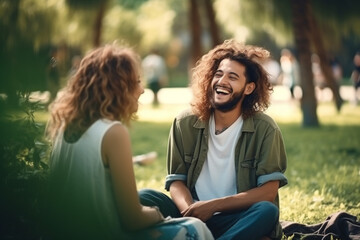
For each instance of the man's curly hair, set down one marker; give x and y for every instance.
(247, 55)
(102, 87)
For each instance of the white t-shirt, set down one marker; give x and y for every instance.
(218, 178)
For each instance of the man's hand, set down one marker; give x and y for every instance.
(202, 210)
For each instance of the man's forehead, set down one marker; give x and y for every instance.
(231, 65)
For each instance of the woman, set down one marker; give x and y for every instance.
(92, 182)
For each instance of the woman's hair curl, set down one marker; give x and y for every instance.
(102, 87)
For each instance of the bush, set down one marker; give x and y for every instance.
(23, 169)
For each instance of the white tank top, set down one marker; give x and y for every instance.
(83, 183)
(217, 177)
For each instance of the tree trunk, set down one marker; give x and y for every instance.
(324, 60)
(214, 30)
(98, 23)
(195, 26)
(302, 41)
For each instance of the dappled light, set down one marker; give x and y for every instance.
(315, 99)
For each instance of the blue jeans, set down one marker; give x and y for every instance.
(252, 223)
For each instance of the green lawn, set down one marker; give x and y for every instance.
(323, 163)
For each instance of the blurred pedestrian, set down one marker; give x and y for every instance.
(355, 75)
(273, 68)
(155, 73)
(290, 70)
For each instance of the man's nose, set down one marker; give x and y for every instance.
(223, 79)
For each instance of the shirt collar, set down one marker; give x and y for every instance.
(248, 125)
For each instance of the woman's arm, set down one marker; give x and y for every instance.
(117, 155)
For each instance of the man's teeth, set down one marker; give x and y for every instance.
(222, 91)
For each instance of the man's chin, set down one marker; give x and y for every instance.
(222, 99)
(223, 106)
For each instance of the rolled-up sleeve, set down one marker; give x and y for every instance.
(272, 161)
(175, 157)
(174, 177)
(276, 176)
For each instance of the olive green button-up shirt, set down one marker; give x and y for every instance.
(259, 154)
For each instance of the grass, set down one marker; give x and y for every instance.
(323, 163)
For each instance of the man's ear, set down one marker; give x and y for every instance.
(249, 88)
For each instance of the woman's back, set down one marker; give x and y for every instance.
(81, 186)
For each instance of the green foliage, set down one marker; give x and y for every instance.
(23, 169)
(131, 4)
(25, 51)
(84, 3)
(147, 26)
(120, 24)
(155, 22)
(16, 16)
(23, 68)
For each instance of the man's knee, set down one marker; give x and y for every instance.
(268, 210)
(149, 197)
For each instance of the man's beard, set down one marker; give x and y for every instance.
(230, 104)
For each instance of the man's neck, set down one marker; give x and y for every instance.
(224, 120)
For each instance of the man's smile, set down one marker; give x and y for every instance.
(222, 90)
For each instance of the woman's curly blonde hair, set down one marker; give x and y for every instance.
(102, 87)
(247, 55)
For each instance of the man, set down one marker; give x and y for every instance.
(226, 158)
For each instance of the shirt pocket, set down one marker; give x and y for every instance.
(250, 164)
(248, 172)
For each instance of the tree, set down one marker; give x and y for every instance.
(306, 33)
(196, 31)
(214, 30)
(25, 48)
(100, 5)
(301, 28)
(319, 46)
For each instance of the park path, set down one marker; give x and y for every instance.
(280, 94)
(282, 108)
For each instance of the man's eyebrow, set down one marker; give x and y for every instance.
(234, 73)
(231, 73)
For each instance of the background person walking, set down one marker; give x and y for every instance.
(155, 73)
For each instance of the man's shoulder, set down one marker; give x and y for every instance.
(261, 118)
(186, 114)
(188, 118)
